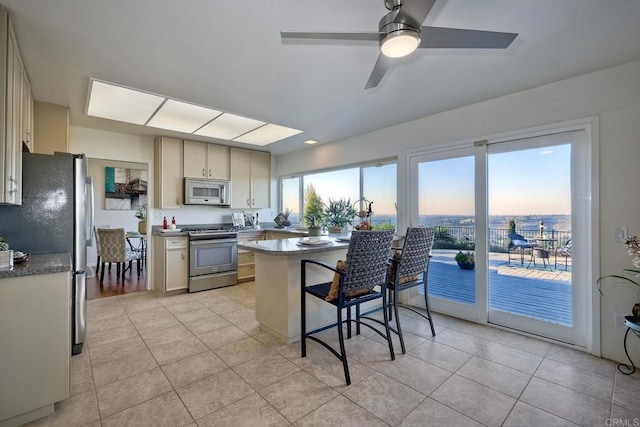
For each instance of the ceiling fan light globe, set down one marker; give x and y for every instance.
(399, 43)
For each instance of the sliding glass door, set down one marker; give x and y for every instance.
(446, 199)
(520, 207)
(529, 194)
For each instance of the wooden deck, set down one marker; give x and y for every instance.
(534, 292)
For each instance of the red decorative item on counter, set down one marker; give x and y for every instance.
(173, 220)
(164, 223)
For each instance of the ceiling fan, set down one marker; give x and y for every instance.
(400, 32)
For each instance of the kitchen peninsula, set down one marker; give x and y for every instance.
(277, 265)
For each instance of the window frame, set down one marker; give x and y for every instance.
(360, 166)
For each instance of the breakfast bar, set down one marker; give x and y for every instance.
(277, 264)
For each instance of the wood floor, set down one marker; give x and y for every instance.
(113, 285)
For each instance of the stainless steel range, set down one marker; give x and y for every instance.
(213, 258)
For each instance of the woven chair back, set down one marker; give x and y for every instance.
(367, 260)
(415, 252)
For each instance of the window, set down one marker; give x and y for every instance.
(376, 183)
(290, 192)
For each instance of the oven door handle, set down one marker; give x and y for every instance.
(210, 241)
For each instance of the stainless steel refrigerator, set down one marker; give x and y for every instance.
(56, 215)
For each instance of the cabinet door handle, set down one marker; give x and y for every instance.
(209, 172)
(177, 200)
(253, 202)
(182, 254)
(203, 174)
(248, 202)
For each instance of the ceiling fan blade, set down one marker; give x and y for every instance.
(379, 70)
(440, 37)
(365, 35)
(414, 12)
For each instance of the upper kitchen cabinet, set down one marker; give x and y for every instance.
(27, 113)
(12, 74)
(202, 160)
(250, 179)
(168, 173)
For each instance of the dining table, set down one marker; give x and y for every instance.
(542, 248)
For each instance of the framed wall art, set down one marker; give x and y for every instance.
(125, 189)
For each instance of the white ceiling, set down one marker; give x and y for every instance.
(228, 55)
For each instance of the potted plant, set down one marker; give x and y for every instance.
(314, 229)
(338, 214)
(141, 214)
(633, 246)
(466, 260)
(313, 210)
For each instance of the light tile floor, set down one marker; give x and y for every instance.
(201, 359)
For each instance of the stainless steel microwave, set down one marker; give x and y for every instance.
(206, 192)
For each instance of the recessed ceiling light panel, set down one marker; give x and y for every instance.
(229, 126)
(114, 102)
(182, 116)
(267, 134)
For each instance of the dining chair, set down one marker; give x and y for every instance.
(141, 245)
(408, 269)
(364, 270)
(97, 237)
(113, 248)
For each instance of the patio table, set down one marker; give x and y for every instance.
(542, 248)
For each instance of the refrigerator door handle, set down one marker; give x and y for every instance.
(90, 211)
(80, 311)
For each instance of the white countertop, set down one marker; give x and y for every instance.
(291, 246)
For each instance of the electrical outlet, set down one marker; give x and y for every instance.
(619, 321)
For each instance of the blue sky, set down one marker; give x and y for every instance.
(526, 182)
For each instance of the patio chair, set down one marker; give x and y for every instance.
(518, 241)
(564, 251)
(364, 270)
(409, 268)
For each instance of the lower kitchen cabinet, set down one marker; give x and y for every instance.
(171, 264)
(279, 235)
(35, 345)
(246, 266)
(246, 263)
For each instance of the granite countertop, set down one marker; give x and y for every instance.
(290, 246)
(39, 264)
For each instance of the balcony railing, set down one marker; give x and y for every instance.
(455, 237)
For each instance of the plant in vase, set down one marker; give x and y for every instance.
(313, 210)
(314, 229)
(141, 214)
(338, 214)
(628, 276)
(466, 260)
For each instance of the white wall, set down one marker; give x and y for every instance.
(612, 94)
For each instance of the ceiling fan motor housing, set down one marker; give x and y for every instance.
(397, 39)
